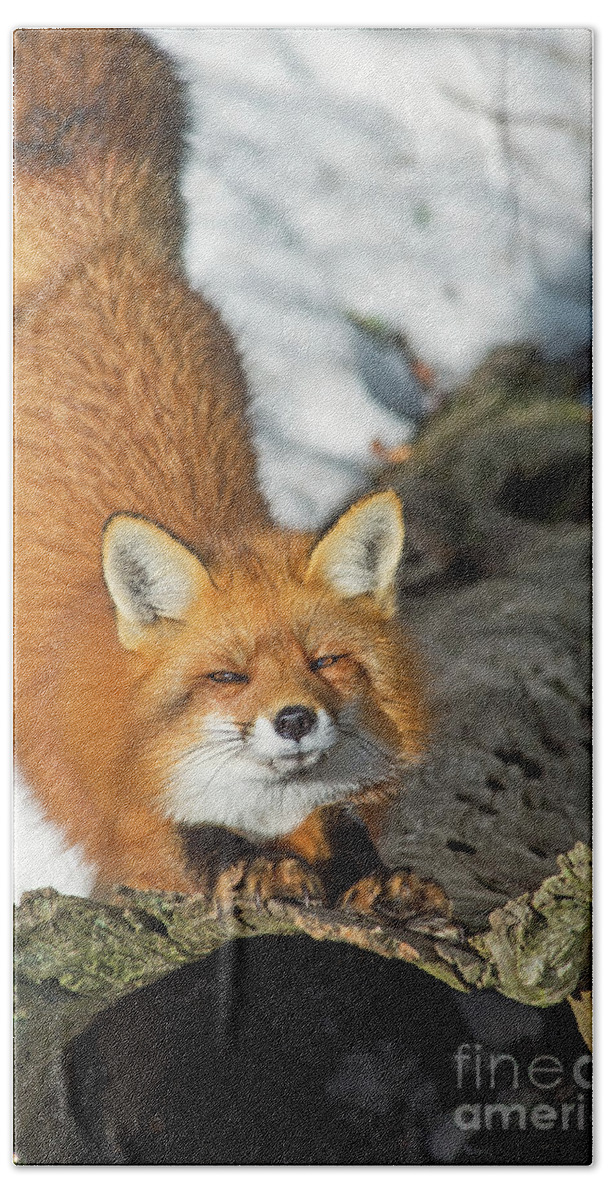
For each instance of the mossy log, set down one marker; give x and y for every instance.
(75, 957)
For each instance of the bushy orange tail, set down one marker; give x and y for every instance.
(98, 123)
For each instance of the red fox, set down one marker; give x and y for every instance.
(180, 662)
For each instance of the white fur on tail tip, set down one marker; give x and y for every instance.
(41, 855)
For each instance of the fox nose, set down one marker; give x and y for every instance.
(295, 722)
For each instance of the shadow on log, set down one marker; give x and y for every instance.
(79, 962)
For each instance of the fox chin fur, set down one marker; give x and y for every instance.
(180, 661)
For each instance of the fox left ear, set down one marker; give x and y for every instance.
(360, 554)
(150, 576)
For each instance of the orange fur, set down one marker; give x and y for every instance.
(97, 122)
(130, 398)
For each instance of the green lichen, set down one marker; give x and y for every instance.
(537, 947)
(535, 950)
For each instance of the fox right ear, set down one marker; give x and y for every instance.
(149, 575)
(360, 554)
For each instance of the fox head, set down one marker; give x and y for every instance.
(269, 681)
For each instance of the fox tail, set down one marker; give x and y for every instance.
(99, 116)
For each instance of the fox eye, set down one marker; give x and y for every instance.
(228, 677)
(327, 660)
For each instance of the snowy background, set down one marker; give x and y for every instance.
(435, 180)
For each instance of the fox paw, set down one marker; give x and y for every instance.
(401, 895)
(262, 879)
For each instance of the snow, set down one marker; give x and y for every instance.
(435, 179)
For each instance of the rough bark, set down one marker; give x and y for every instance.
(75, 957)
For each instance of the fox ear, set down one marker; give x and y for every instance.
(360, 554)
(149, 575)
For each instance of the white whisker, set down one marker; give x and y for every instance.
(207, 750)
(249, 778)
(370, 746)
(222, 763)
